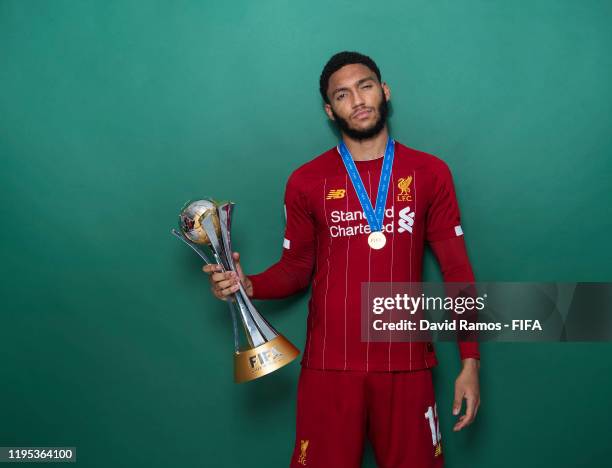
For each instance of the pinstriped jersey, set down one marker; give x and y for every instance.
(325, 220)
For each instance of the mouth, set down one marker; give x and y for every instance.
(362, 114)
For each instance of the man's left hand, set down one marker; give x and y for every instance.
(467, 387)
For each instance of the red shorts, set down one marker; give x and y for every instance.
(337, 409)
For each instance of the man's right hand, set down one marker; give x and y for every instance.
(225, 283)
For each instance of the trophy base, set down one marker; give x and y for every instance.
(264, 359)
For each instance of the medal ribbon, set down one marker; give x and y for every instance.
(374, 216)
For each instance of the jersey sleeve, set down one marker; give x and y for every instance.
(293, 271)
(443, 218)
(455, 266)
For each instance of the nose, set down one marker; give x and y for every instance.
(359, 100)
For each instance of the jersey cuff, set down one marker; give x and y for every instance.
(469, 349)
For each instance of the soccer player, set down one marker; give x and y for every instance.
(348, 388)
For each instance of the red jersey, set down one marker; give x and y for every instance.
(326, 244)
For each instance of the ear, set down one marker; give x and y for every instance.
(386, 91)
(328, 111)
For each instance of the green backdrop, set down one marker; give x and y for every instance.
(114, 113)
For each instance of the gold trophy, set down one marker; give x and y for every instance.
(207, 222)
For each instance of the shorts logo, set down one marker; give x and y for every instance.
(404, 185)
(438, 449)
(303, 448)
(406, 220)
(335, 194)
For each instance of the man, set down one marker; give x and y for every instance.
(349, 388)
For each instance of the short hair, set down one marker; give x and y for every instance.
(337, 62)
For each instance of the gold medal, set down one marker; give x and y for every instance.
(377, 240)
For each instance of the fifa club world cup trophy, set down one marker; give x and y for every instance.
(259, 349)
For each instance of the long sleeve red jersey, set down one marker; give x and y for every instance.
(326, 243)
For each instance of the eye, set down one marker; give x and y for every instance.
(367, 86)
(340, 96)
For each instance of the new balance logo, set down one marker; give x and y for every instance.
(335, 194)
(406, 220)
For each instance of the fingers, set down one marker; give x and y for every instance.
(226, 283)
(215, 267)
(236, 257)
(470, 413)
(470, 410)
(222, 283)
(460, 424)
(210, 268)
(457, 402)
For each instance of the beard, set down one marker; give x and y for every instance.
(367, 133)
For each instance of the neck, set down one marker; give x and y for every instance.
(366, 150)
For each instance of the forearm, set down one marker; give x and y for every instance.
(277, 282)
(456, 268)
(292, 273)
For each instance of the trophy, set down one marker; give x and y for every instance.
(264, 350)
